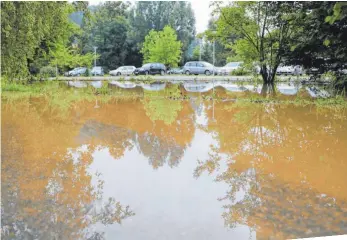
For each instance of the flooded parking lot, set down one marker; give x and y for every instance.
(162, 168)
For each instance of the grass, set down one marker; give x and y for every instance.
(62, 96)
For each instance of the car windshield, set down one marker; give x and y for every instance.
(233, 64)
(146, 65)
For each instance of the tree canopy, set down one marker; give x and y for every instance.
(263, 31)
(162, 46)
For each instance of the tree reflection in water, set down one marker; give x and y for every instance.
(52, 202)
(47, 190)
(287, 163)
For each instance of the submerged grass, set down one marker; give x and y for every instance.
(62, 96)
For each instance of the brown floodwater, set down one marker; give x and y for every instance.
(155, 168)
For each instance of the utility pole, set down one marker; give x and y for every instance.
(200, 49)
(95, 59)
(213, 51)
(214, 41)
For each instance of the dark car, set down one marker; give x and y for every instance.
(151, 68)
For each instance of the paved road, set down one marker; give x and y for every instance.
(168, 77)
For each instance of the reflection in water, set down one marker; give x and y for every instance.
(280, 170)
(284, 89)
(46, 189)
(290, 164)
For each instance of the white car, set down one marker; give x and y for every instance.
(229, 67)
(290, 70)
(124, 70)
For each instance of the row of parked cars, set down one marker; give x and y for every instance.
(190, 68)
(193, 67)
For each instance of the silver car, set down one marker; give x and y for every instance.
(77, 71)
(124, 70)
(289, 70)
(197, 67)
(97, 71)
(229, 68)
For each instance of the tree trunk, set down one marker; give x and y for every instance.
(268, 89)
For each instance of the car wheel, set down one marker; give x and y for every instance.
(118, 73)
(207, 72)
(162, 72)
(146, 72)
(78, 75)
(187, 72)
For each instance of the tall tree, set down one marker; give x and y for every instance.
(146, 16)
(162, 46)
(264, 28)
(107, 29)
(321, 39)
(28, 30)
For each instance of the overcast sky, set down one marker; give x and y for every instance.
(201, 10)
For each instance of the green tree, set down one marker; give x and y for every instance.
(221, 51)
(196, 53)
(107, 29)
(320, 41)
(162, 46)
(28, 29)
(155, 15)
(264, 31)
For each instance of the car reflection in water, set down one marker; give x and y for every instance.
(198, 87)
(96, 84)
(287, 89)
(125, 84)
(153, 86)
(77, 84)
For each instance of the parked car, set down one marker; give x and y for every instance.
(97, 71)
(175, 71)
(197, 67)
(124, 70)
(151, 68)
(77, 71)
(218, 71)
(229, 67)
(289, 70)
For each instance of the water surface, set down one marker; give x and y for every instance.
(158, 168)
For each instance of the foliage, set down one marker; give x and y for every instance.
(196, 53)
(155, 15)
(48, 71)
(320, 41)
(159, 108)
(221, 51)
(163, 47)
(65, 57)
(27, 31)
(264, 30)
(108, 30)
(240, 72)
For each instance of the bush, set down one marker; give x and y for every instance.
(87, 73)
(240, 72)
(48, 71)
